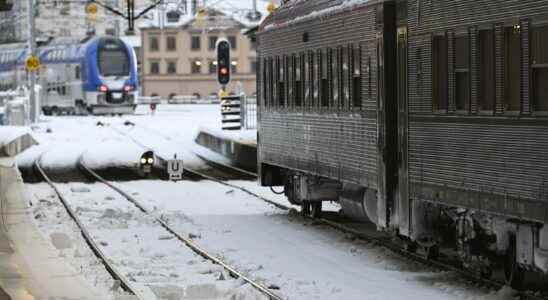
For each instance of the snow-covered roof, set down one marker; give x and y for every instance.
(239, 10)
(324, 9)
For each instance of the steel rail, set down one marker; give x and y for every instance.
(113, 271)
(188, 242)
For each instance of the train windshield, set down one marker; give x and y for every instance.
(113, 58)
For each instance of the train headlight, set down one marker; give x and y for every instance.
(143, 161)
(103, 88)
(150, 161)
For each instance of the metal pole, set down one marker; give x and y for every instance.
(34, 105)
(254, 7)
(116, 20)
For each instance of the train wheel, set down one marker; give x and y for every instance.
(410, 246)
(316, 210)
(431, 252)
(513, 273)
(305, 208)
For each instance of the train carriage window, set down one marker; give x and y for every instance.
(271, 81)
(298, 88)
(512, 67)
(462, 72)
(265, 82)
(335, 75)
(439, 73)
(487, 80)
(290, 80)
(357, 78)
(324, 84)
(311, 82)
(281, 81)
(369, 80)
(539, 61)
(345, 83)
(305, 65)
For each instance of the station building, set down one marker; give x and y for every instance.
(179, 54)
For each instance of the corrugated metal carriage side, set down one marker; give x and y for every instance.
(440, 131)
(308, 121)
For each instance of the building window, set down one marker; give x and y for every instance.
(439, 73)
(487, 81)
(173, 16)
(357, 77)
(213, 67)
(171, 43)
(233, 42)
(253, 66)
(154, 67)
(172, 67)
(196, 67)
(153, 43)
(462, 72)
(195, 43)
(234, 67)
(213, 42)
(539, 60)
(512, 67)
(77, 72)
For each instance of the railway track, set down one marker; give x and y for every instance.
(384, 241)
(186, 241)
(113, 271)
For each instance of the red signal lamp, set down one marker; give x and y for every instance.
(224, 71)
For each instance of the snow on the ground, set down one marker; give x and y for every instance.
(159, 265)
(305, 260)
(10, 133)
(55, 223)
(102, 143)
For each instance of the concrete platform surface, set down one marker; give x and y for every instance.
(30, 267)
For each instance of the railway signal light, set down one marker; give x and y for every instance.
(223, 62)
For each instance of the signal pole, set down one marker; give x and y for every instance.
(34, 106)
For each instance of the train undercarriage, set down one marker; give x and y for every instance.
(481, 241)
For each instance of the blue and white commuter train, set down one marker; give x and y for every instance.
(98, 75)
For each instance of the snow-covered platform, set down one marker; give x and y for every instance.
(235, 148)
(30, 267)
(14, 140)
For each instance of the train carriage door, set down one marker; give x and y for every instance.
(403, 187)
(387, 115)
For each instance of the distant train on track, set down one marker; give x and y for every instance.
(428, 118)
(97, 76)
